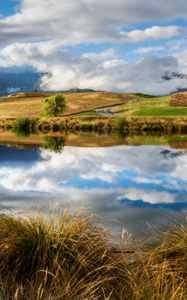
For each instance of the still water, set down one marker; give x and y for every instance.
(137, 187)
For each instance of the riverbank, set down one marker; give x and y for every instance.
(99, 112)
(73, 257)
(169, 125)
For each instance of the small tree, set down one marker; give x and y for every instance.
(53, 105)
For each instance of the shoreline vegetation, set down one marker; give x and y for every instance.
(96, 111)
(169, 125)
(73, 257)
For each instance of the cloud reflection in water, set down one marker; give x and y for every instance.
(131, 184)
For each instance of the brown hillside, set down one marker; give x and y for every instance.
(30, 104)
(179, 99)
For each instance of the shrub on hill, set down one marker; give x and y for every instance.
(53, 106)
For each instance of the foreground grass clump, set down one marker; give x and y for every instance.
(160, 270)
(68, 259)
(74, 258)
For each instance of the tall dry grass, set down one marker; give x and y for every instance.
(75, 258)
(160, 269)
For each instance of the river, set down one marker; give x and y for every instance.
(139, 187)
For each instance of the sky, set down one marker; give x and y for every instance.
(122, 45)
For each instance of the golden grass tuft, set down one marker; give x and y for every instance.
(72, 257)
(68, 259)
(160, 271)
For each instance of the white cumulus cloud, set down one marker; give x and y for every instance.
(83, 21)
(40, 32)
(102, 71)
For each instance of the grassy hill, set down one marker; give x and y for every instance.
(30, 105)
(85, 104)
(144, 105)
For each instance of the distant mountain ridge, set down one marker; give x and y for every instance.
(77, 90)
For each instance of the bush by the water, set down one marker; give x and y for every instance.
(72, 257)
(120, 125)
(23, 126)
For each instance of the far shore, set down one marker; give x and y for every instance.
(99, 112)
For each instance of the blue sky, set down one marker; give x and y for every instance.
(127, 46)
(8, 7)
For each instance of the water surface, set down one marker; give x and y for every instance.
(139, 187)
